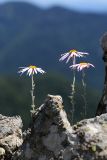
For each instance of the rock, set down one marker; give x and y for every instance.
(10, 135)
(2, 152)
(103, 42)
(50, 132)
(102, 106)
(92, 138)
(53, 138)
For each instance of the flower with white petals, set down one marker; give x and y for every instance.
(31, 70)
(81, 66)
(72, 54)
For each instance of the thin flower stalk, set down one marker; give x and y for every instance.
(72, 97)
(73, 91)
(84, 94)
(32, 94)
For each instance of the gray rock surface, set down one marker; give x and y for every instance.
(50, 131)
(52, 138)
(10, 136)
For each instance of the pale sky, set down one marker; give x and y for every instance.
(82, 5)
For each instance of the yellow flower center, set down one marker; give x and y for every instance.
(32, 67)
(73, 50)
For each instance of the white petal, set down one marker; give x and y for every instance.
(22, 67)
(76, 55)
(82, 53)
(20, 72)
(81, 67)
(30, 71)
(91, 65)
(73, 54)
(25, 69)
(64, 56)
(35, 70)
(70, 56)
(40, 70)
(74, 65)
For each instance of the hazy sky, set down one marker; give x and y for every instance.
(83, 5)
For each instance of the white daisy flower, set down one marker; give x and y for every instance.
(81, 66)
(72, 54)
(31, 70)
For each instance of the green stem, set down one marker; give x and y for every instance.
(32, 95)
(84, 94)
(72, 97)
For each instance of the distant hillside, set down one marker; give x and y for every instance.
(31, 35)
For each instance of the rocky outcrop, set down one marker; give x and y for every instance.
(52, 138)
(10, 136)
(50, 132)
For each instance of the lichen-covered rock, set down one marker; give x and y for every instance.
(10, 136)
(52, 138)
(92, 138)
